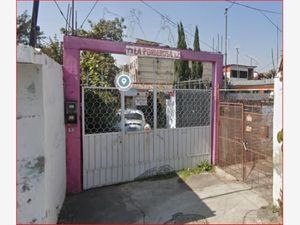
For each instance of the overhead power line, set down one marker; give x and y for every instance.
(167, 18)
(254, 8)
(265, 66)
(105, 10)
(262, 11)
(137, 19)
(93, 7)
(270, 21)
(159, 13)
(63, 15)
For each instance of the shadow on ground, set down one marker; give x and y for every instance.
(203, 198)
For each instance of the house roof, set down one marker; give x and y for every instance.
(229, 65)
(146, 42)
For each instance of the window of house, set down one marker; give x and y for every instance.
(243, 74)
(234, 73)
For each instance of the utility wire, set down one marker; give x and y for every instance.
(262, 11)
(138, 22)
(113, 13)
(265, 66)
(155, 10)
(131, 26)
(254, 8)
(93, 7)
(270, 21)
(59, 9)
(230, 5)
(173, 23)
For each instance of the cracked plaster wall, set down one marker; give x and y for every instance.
(41, 138)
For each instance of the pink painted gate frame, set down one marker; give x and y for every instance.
(71, 69)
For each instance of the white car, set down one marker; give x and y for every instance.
(134, 121)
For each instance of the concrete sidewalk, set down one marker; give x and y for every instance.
(203, 198)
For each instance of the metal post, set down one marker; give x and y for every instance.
(273, 60)
(75, 23)
(69, 22)
(122, 112)
(33, 30)
(244, 153)
(237, 62)
(73, 17)
(123, 128)
(82, 111)
(218, 43)
(67, 25)
(225, 80)
(155, 96)
(222, 43)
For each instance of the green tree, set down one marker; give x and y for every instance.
(182, 70)
(99, 69)
(197, 67)
(54, 49)
(23, 29)
(267, 75)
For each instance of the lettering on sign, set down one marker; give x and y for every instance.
(152, 52)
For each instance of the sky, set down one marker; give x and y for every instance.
(254, 33)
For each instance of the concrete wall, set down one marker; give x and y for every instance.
(277, 126)
(41, 137)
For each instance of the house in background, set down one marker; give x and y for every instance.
(258, 86)
(141, 70)
(239, 71)
(244, 77)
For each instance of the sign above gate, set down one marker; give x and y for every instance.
(152, 52)
(123, 82)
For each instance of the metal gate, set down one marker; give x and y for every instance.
(246, 143)
(164, 129)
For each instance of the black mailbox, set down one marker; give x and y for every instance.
(71, 112)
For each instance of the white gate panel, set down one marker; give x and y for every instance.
(106, 161)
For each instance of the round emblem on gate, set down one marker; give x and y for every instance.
(123, 82)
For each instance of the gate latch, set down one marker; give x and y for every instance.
(244, 145)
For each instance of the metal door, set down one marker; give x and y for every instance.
(245, 144)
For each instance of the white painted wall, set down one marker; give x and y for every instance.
(141, 69)
(41, 137)
(277, 126)
(207, 71)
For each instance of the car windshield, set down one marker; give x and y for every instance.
(133, 116)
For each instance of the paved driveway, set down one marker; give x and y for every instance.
(203, 198)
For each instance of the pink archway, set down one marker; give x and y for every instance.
(71, 68)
